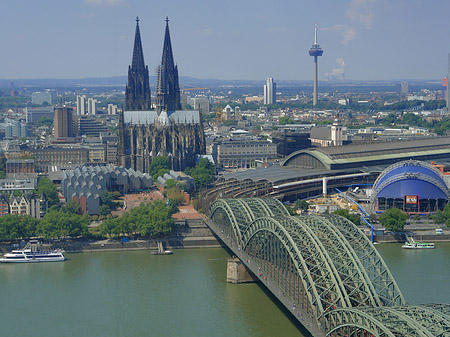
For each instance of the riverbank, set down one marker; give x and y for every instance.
(188, 233)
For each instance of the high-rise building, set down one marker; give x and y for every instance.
(315, 51)
(63, 123)
(167, 131)
(270, 92)
(81, 105)
(112, 109)
(404, 88)
(92, 106)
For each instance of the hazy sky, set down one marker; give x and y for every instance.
(229, 39)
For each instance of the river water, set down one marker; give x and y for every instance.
(185, 294)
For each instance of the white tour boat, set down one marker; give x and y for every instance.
(412, 244)
(32, 253)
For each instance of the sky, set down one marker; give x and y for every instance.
(228, 39)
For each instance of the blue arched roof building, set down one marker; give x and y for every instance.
(412, 186)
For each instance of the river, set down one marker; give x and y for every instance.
(184, 294)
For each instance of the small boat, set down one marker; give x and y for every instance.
(32, 253)
(166, 252)
(412, 244)
(161, 250)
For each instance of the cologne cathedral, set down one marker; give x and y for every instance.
(147, 130)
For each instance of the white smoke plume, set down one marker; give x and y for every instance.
(337, 73)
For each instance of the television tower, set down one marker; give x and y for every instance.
(315, 51)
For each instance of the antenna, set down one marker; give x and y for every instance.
(315, 34)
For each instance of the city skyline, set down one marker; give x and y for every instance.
(364, 39)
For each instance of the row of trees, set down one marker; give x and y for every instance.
(149, 220)
(56, 224)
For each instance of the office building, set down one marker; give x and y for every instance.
(81, 105)
(89, 126)
(270, 92)
(243, 153)
(112, 109)
(201, 104)
(92, 106)
(404, 88)
(33, 115)
(42, 98)
(19, 166)
(63, 123)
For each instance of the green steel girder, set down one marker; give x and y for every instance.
(382, 279)
(221, 204)
(347, 286)
(434, 321)
(399, 320)
(310, 257)
(276, 206)
(351, 272)
(354, 318)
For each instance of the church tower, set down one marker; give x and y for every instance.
(137, 91)
(168, 95)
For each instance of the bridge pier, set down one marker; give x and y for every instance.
(237, 272)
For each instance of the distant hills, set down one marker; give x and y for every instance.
(120, 81)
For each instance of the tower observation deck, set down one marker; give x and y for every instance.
(315, 51)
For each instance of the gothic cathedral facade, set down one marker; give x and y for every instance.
(147, 130)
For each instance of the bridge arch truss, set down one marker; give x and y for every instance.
(327, 267)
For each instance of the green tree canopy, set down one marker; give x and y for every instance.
(355, 218)
(393, 219)
(149, 220)
(202, 173)
(157, 164)
(45, 121)
(301, 205)
(47, 187)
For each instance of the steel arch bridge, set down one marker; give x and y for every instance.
(325, 270)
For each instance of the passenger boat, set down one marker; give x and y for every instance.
(412, 244)
(32, 253)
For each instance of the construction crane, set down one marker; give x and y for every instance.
(183, 94)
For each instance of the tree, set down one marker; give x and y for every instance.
(202, 173)
(442, 217)
(45, 121)
(103, 210)
(71, 207)
(393, 219)
(301, 205)
(46, 187)
(355, 218)
(157, 164)
(107, 199)
(175, 195)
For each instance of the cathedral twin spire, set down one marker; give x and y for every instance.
(137, 94)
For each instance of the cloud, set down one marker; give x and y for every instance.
(105, 3)
(348, 33)
(360, 12)
(360, 16)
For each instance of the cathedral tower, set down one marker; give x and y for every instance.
(168, 95)
(137, 91)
